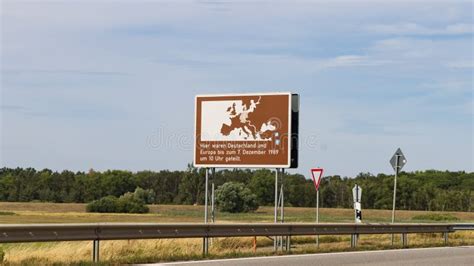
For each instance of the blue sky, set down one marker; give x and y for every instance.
(111, 84)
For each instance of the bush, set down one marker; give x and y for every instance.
(127, 203)
(435, 217)
(234, 197)
(105, 204)
(146, 195)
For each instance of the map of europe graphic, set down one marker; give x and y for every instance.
(245, 123)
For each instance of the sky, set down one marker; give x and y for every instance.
(111, 84)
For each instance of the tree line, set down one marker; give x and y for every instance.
(420, 190)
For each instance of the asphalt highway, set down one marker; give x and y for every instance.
(422, 256)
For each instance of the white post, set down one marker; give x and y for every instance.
(357, 209)
(357, 205)
(95, 251)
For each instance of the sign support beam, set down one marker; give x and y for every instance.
(276, 207)
(317, 215)
(282, 212)
(394, 193)
(317, 182)
(279, 242)
(397, 161)
(282, 196)
(213, 206)
(395, 188)
(205, 250)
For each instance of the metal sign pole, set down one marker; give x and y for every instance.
(213, 206)
(213, 211)
(397, 161)
(317, 214)
(205, 242)
(276, 208)
(394, 192)
(395, 189)
(282, 212)
(317, 181)
(282, 196)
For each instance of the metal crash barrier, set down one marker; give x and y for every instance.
(17, 233)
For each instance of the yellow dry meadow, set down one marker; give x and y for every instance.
(142, 251)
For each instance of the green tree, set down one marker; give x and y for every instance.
(191, 189)
(147, 196)
(234, 197)
(420, 190)
(262, 184)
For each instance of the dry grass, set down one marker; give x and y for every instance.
(75, 213)
(142, 251)
(42, 207)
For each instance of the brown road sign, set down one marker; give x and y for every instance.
(246, 130)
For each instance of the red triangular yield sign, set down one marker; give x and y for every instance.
(317, 179)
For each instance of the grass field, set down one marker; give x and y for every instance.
(16, 212)
(139, 251)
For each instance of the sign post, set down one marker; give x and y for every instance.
(213, 199)
(317, 182)
(257, 130)
(205, 249)
(397, 161)
(275, 238)
(357, 195)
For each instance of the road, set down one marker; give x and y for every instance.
(425, 256)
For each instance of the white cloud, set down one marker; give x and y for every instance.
(426, 53)
(409, 28)
(461, 64)
(350, 61)
(448, 85)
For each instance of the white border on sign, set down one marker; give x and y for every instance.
(244, 165)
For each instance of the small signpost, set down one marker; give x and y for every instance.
(397, 161)
(357, 195)
(317, 181)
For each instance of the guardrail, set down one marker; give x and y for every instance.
(15, 233)
(457, 227)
